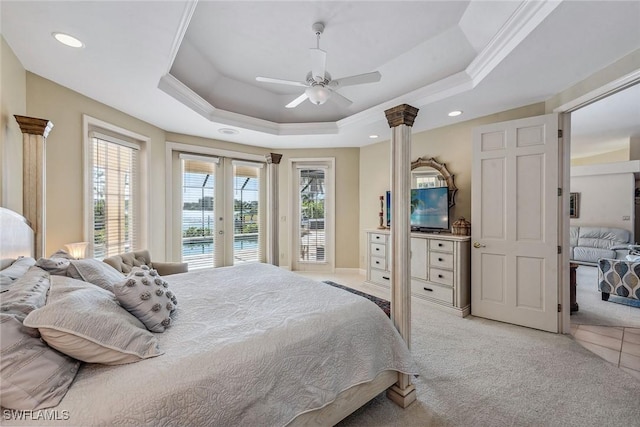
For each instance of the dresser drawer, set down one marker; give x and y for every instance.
(441, 260)
(429, 290)
(381, 277)
(378, 262)
(441, 276)
(378, 250)
(377, 238)
(440, 245)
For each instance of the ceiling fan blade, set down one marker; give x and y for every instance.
(356, 80)
(318, 63)
(339, 99)
(281, 82)
(297, 101)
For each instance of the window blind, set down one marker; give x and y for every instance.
(115, 195)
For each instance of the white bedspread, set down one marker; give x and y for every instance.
(250, 345)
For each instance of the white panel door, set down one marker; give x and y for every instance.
(514, 205)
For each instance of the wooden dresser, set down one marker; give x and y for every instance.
(440, 267)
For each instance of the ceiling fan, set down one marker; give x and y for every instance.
(318, 83)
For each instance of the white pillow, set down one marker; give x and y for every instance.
(87, 323)
(147, 296)
(94, 271)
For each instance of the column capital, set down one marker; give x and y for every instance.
(34, 126)
(403, 114)
(273, 158)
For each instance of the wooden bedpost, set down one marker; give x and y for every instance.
(401, 119)
(34, 136)
(273, 248)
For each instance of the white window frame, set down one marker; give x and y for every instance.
(92, 124)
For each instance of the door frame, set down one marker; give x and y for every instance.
(330, 207)
(565, 111)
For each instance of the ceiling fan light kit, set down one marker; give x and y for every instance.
(319, 86)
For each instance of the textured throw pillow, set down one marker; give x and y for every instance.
(34, 376)
(87, 323)
(94, 271)
(16, 270)
(145, 294)
(26, 294)
(57, 266)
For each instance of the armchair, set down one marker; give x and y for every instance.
(126, 261)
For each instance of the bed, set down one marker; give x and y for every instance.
(248, 345)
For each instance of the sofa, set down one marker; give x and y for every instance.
(589, 244)
(126, 261)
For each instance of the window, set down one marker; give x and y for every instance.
(114, 173)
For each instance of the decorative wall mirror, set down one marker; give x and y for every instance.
(427, 173)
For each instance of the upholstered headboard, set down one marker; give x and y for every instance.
(16, 236)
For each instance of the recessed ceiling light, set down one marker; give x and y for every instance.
(68, 40)
(373, 136)
(228, 131)
(455, 113)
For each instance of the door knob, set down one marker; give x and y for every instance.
(478, 245)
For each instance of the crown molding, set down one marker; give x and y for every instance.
(522, 22)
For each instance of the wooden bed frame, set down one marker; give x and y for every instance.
(18, 240)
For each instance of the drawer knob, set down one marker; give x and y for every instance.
(440, 276)
(440, 244)
(440, 259)
(385, 277)
(428, 289)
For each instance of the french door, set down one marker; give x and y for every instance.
(220, 211)
(313, 215)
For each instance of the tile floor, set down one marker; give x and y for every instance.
(617, 345)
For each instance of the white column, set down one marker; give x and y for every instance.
(401, 120)
(273, 235)
(34, 136)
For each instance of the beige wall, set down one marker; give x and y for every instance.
(610, 157)
(65, 108)
(13, 97)
(64, 167)
(451, 145)
(606, 200)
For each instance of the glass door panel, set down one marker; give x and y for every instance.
(246, 213)
(312, 214)
(198, 212)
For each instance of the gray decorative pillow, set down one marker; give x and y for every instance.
(16, 270)
(87, 323)
(26, 294)
(57, 266)
(145, 294)
(94, 271)
(34, 376)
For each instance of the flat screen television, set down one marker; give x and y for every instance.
(429, 209)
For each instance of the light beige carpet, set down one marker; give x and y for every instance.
(477, 372)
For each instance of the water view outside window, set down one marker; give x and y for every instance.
(246, 219)
(312, 206)
(200, 210)
(198, 213)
